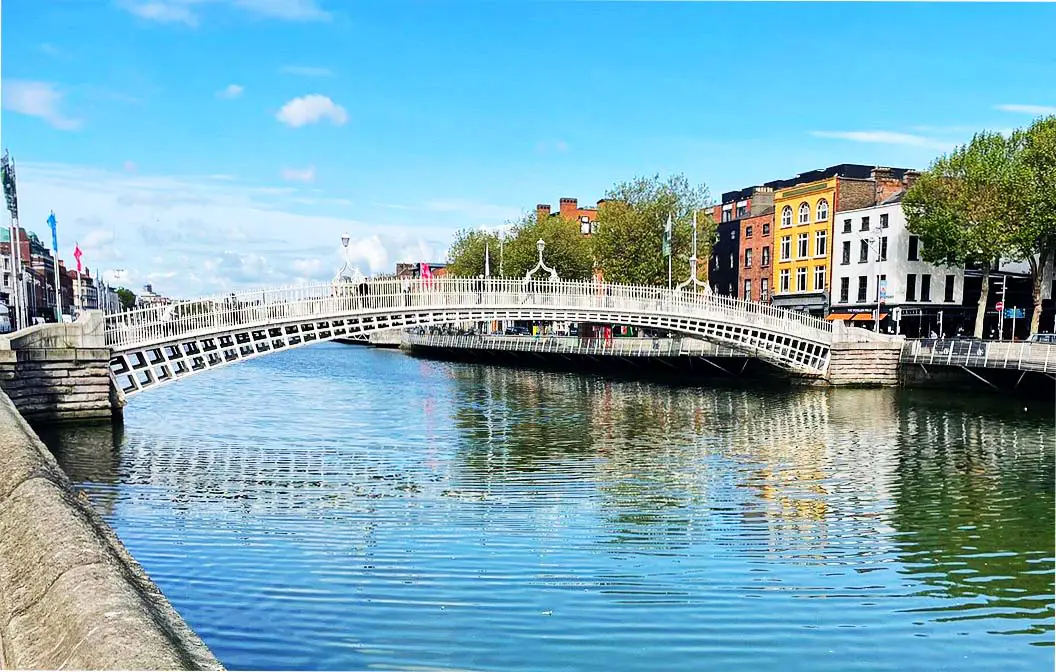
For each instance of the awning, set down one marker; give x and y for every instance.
(839, 316)
(866, 317)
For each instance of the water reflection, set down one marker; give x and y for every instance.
(384, 486)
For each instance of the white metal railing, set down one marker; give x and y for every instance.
(980, 354)
(621, 346)
(275, 306)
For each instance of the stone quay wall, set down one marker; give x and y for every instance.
(60, 372)
(865, 364)
(71, 596)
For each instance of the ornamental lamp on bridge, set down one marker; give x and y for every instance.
(541, 265)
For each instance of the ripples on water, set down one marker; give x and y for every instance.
(348, 508)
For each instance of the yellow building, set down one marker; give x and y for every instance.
(803, 215)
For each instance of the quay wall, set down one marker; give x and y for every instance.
(71, 596)
(60, 372)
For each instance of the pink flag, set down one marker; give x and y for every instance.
(426, 273)
(77, 255)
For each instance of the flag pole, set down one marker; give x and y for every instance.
(58, 285)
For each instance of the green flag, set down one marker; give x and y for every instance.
(667, 237)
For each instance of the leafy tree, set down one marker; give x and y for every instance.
(964, 208)
(127, 298)
(1035, 236)
(567, 249)
(465, 259)
(629, 241)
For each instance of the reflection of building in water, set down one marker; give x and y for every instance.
(89, 456)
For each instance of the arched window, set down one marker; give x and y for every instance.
(804, 213)
(786, 216)
(823, 210)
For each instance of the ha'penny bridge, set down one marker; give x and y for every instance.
(154, 346)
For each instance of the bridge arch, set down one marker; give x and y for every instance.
(154, 346)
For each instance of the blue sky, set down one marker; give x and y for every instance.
(208, 145)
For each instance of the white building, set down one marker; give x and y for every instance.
(872, 248)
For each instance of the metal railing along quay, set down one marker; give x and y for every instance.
(626, 346)
(980, 354)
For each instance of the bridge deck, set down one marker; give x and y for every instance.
(981, 354)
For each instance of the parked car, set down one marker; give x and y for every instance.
(1042, 338)
(517, 331)
(960, 346)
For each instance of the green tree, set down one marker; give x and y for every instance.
(567, 249)
(465, 259)
(964, 208)
(629, 243)
(127, 298)
(1035, 236)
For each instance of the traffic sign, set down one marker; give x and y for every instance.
(1000, 306)
(1015, 313)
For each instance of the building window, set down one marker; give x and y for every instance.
(801, 279)
(863, 251)
(823, 210)
(748, 258)
(716, 260)
(948, 298)
(846, 252)
(914, 248)
(784, 280)
(863, 288)
(726, 215)
(747, 232)
(865, 223)
(747, 290)
(733, 234)
(786, 216)
(819, 278)
(766, 256)
(845, 290)
(766, 228)
(729, 290)
(911, 287)
(846, 226)
(594, 226)
(742, 210)
(821, 243)
(764, 289)
(883, 249)
(883, 287)
(883, 221)
(733, 261)
(584, 226)
(802, 246)
(786, 248)
(804, 213)
(925, 287)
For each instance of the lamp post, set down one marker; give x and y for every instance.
(873, 241)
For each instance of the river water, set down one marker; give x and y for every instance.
(342, 507)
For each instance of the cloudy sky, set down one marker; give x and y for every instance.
(209, 145)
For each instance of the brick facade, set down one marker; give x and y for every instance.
(757, 234)
(568, 208)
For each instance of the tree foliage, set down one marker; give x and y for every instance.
(1034, 240)
(567, 249)
(628, 245)
(127, 298)
(964, 208)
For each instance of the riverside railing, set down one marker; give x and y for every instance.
(981, 354)
(624, 346)
(275, 306)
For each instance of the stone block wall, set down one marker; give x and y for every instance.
(59, 372)
(864, 364)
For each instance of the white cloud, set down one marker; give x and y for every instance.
(299, 174)
(230, 91)
(885, 138)
(129, 166)
(183, 11)
(37, 99)
(195, 236)
(480, 210)
(1036, 110)
(311, 109)
(305, 71)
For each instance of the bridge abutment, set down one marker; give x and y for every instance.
(874, 364)
(60, 372)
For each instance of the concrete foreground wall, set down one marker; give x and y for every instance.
(71, 596)
(59, 372)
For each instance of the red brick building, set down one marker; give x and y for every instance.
(569, 209)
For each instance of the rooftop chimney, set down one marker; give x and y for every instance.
(569, 206)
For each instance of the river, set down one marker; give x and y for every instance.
(340, 507)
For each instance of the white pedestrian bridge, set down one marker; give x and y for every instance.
(157, 345)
